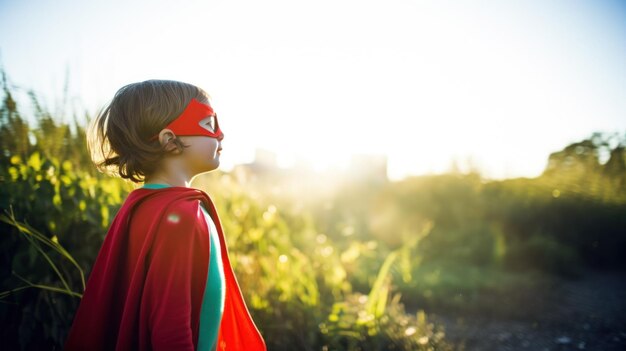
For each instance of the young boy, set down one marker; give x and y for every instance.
(162, 279)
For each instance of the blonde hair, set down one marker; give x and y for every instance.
(119, 138)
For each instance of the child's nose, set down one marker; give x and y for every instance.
(220, 137)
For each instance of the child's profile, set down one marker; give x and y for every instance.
(162, 279)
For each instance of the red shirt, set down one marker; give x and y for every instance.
(146, 287)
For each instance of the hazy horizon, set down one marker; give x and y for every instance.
(498, 85)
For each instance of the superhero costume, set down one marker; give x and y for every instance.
(146, 287)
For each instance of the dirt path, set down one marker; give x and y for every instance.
(585, 314)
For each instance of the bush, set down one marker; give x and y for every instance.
(67, 206)
(542, 252)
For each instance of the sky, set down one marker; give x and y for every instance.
(495, 85)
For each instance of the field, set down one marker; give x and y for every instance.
(437, 262)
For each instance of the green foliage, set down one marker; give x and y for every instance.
(543, 252)
(48, 196)
(295, 280)
(375, 322)
(587, 225)
(351, 327)
(35, 240)
(577, 169)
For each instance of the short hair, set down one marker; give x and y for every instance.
(119, 138)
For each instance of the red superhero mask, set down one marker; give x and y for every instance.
(188, 123)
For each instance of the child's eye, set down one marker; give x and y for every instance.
(211, 123)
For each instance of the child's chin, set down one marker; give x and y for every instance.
(214, 166)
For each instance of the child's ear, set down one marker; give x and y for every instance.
(167, 138)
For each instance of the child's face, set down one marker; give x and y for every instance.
(199, 131)
(203, 152)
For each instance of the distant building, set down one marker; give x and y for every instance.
(263, 167)
(368, 168)
(264, 171)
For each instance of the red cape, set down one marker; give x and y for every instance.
(146, 287)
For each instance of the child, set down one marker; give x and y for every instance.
(162, 279)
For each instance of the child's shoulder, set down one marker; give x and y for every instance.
(168, 214)
(174, 202)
